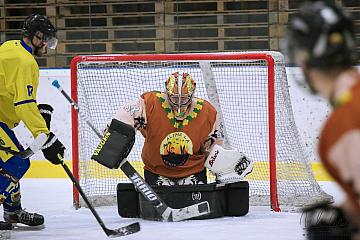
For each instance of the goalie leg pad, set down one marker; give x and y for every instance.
(224, 200)
(116, 144)
(128, 201)
(180, 196)
(237, 198)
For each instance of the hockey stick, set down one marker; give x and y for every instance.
(35, 146)
(167, 213)
(123, 231)
(23, 154)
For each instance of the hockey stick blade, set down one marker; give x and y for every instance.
(166, 212)
(23, 154)
(123, 231)
(195, 210)
(180, 214)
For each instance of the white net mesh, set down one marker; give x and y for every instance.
(238, 87)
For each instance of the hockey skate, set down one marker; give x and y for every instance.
(24, 217)
(5, 226)
(5, 230)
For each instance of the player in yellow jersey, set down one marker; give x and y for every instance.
(19, 78)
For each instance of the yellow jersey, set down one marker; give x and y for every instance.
(19, 80)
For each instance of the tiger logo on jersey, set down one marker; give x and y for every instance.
(176, 148)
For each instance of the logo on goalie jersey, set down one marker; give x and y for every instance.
(176, 148)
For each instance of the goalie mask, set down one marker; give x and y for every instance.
(180, 87)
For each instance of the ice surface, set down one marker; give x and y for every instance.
(53, 199)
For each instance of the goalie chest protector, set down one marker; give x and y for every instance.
(224, 200)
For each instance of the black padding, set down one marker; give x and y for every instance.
(122, 128)
(116, 144)
(127, 200)
(237, 196)
(224, 200)
(325, 221)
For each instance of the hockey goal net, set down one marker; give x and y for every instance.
(249, 89)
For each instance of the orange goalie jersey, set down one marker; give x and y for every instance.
(173, 148)
(341, 131)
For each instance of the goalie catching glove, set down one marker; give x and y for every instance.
(228, 165)
(116, 144)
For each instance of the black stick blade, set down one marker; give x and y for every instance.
(123, 231)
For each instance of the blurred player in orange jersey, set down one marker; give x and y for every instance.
(321, 41)
(180, 130)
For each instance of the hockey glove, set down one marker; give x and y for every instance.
(46, 111)
(325, 221)
(53, 149)
(228, 165)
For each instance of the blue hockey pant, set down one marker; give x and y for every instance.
(12, 169)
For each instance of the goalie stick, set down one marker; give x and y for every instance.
(167, 213)
(122, 231)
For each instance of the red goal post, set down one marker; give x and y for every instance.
(257, 116)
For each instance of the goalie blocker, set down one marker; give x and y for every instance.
(115, 145)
